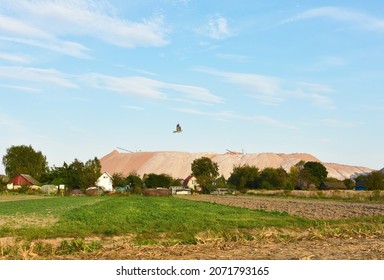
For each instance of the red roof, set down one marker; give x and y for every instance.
(24, 179)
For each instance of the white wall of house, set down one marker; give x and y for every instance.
(105, 182)
(192, 183)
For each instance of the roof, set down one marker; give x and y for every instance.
(30, 179)
(106, 173)
(333, 184)
(188, 179)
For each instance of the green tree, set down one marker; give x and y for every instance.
(91, 172)
(314, 172)
(158, 181)
(205, 171)
(349, 183)
(135, 183)
(294, 177)
(119, 180)
(56, 175)
(221, 182)
(74, 175)
(274, 178)
(24, 160)
(244, 177)
(375, 181)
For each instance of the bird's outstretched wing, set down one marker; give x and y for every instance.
(178, 129)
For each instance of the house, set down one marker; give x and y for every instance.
(332, 185)
(105, 182)
(23, 180)
(191, 183)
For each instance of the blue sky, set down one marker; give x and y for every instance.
(79, 78)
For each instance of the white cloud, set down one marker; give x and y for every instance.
(358, 19)
(234, 57)
(149, 88)
(136, 108)
(20, 88)
(10, 124)
(316, 93)
(37, 75)
(18, 58)
(272, 90)
(16, 27)
(134, 85)
(324, 63)
(228, 115)
(216, 28)
(48, 24)
(374, 107)
(65, 47)
(340, 124)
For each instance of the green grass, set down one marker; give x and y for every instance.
(148, 218)
(158, 220)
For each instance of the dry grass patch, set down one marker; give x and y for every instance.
(27, 220)
(6, 198)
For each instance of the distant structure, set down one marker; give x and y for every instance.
(124, 150)
(105, 181)
(178, 129)
(233, 153)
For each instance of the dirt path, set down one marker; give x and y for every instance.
(305, 208)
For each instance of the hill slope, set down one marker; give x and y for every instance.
(178, 164)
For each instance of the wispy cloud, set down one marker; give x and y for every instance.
(357, 19)
(30, 22)
(373, 107)
(325, 63)
(229, 115)
(37, 76)
(20, 88)
(234, 57)
(273, 90)
(340, 124)
(216, 27)
(64, 47)
(21, 31)
(9, 124)
(150, 88)
(130, 107)
(18, 58)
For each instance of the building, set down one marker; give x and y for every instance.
(176, 190)
(23, 180)
(105, 182)
(332, 185)
(191, 183)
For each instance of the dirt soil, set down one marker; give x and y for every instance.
(313, 209)
(358, 248)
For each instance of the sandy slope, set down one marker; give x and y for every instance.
(178, 164)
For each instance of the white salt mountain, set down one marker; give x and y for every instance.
(178, 164)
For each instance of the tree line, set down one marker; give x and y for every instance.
(81, 175)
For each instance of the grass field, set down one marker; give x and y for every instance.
(149, 220)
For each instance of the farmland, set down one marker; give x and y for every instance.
(137, 227)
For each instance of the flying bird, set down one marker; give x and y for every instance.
(178, 129)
